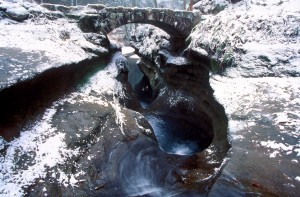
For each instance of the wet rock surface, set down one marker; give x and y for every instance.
(180, 92)
(92, 133)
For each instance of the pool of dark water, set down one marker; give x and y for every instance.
(177, 136)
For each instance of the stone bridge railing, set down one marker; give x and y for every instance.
(99, 18)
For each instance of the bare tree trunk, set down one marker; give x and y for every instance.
(127, 33)
(184, 4)
(191, 5)
(155, 3)
(133, 3)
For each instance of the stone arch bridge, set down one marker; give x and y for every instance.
(99, 18)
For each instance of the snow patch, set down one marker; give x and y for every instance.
(104, 84)
(258, 38)
(253, 103)
(127, 50)
(276, 146)
(31, 37)
(2, 143)
(120, 117)
(28, 156)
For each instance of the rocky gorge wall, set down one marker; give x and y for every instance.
(251, 49)
(179, 88)
(179, 82)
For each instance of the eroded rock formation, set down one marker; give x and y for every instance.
(180, 89)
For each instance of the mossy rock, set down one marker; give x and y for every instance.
(227, 59)
(215, 68)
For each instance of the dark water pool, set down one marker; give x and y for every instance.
(177, 136)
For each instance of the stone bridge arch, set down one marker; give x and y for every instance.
(103, 19)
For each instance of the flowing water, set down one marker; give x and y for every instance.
(146, 170)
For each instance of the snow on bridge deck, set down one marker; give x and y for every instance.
(99, 18)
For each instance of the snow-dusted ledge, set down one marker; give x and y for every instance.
(30, 47)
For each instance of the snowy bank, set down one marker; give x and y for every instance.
(38, 43)
(264, 127)
(257, 38)
(255, 46)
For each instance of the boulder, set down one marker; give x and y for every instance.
(244, 42)
(97, 39)
(17, 13)
(211, 6)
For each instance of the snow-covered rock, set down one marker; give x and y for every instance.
(85, 127)
(264, 123)
(148, 40)
(246, 42)
(258, 38)
(17, 13)
(211, 6)
(38, 44)
(39, 54)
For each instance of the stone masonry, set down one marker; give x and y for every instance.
(99, 18)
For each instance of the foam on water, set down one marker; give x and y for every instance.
(184, 148)
(143, 172)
